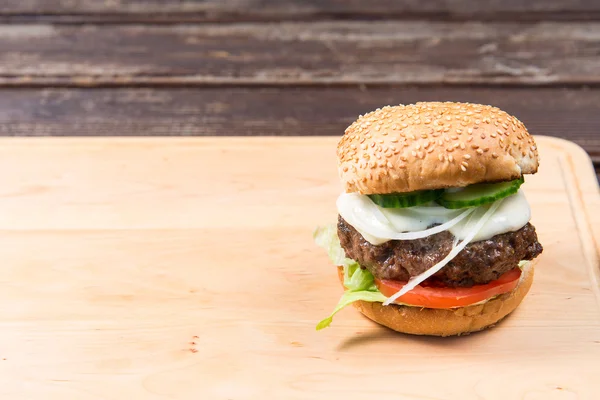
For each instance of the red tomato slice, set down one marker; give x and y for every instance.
(446, 297)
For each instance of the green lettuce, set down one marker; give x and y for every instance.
(359, 283)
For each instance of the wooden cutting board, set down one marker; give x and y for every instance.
(185, 268)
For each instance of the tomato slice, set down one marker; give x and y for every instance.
(446, 297)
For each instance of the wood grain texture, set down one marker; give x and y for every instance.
(302, 53)
(566, 113)
(261, 10)
(198, 280)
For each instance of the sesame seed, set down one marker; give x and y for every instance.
(394, 140)
(486, 149)
(483, 136)
(414, 153)
(450, 149)
(372, 144)
(466, 164)
(462, 145)
(440, 157)
(463, 168)
(418, 146)
(430, 150)
(423, 135)
(470, 139)
(467, 156)
(420, 154)
(474, 146)
(450, 158)
(479, 151)
(493, 135)
(456, 145)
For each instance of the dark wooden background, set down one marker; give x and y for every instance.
(292, 67)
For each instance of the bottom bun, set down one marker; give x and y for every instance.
(448, 322)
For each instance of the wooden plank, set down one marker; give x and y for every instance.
(261, 10)
(301, 53)
(566, 113)
(195, 291)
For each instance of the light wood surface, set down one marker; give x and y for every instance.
(184, 268)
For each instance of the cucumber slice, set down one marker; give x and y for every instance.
(478, 194)
(403, 200)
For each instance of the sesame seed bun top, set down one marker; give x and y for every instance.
(433, 145)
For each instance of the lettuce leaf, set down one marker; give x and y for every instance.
(359, 283)
(348, 298)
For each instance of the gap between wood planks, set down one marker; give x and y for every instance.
(144, 11)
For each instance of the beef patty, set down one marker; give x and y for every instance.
(480, 262)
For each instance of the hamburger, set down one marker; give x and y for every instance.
(433, 233)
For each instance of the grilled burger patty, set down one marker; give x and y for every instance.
(479, 263)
